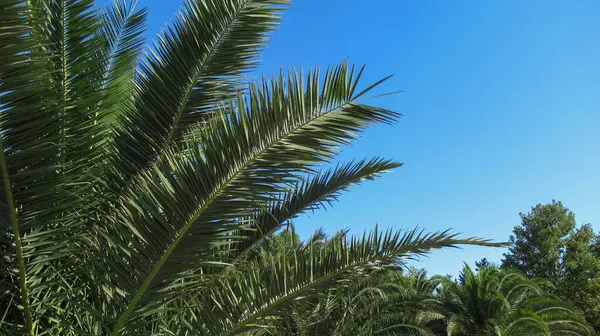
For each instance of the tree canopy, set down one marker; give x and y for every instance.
(549, 244)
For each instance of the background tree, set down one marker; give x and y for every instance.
(548, 244)
(483, 263)
(580, 283)
(492, 302)
(537, 245)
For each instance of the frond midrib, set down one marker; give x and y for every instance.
(24, 291)
(63, 82)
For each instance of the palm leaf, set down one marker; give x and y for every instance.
(51, 151)
(309, 194)
(194, 66)
(271, 286)
(492, 301)
(22, 90)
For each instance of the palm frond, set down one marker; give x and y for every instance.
(122, 28)
(51, 149)
(22, 91)
(71, 33)
(271, 286)
(494, 300)
(309, 194)
(194, 66)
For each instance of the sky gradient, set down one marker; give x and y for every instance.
(501, 105)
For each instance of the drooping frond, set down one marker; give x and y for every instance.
(272, 285)
(550, 315)
(493, 301)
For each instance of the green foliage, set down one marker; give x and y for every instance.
(483, 263)
(538, 243)
(581, 281)
(384, 301)
(136, 190)
(271, 284)
(503, 302)
(547, 244)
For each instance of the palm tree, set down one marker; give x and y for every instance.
(389, 302)
(499, 302)
(134, 183)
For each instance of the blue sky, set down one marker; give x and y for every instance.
(501, 108)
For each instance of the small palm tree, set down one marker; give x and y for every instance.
(389, 302)
(135, 184)
(499, 302)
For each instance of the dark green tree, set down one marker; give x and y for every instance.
(538, 243)
(581, 281)
(549, 245)
(483, 263)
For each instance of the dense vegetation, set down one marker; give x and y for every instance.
(388, 301)
(134, 188)
(151, 193)
(549, 244)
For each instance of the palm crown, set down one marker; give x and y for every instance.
(134, 184)
(496, 301)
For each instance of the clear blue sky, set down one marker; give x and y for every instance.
(501, 109)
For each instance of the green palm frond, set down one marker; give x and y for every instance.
(271, 286)
(28, 132)
(194, 67)
(495, 301)
(47, 83)
(404, 328)
(560, 318)
(122, 29)
(310, 194)
(71, 33)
